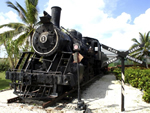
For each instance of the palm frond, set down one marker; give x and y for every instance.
(32, 12)
(134, 45)
(146, 44)
(147, 37)
(141, 38)
(8, 34)
(135, 40)
(33, 2)
(10, 4)
(12, 25)
(4, 37)
(29, 15)
(21, 39)
(22, 12)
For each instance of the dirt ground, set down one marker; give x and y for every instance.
(103, 96)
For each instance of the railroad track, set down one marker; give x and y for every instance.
(54, 100)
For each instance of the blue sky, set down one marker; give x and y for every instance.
(112, 22)
(132, 7)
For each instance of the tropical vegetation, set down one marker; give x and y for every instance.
(24, 31)
(144, 52)
(138, 77)
(4, 84)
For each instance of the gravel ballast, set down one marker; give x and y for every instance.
(103, 96)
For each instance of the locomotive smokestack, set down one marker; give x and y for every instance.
(56, 11)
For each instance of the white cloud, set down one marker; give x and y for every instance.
(142, 22)
(121, 37)
(91, 19)
(5, 29)
(8, 17)
(77, 12)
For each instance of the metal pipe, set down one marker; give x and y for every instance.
(56, 12)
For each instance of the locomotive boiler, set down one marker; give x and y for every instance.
(51, 69)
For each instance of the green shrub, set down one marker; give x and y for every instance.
(4, 83)
(137, 77)
(117, 72)
(146, 96)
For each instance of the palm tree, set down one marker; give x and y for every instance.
(11, 49)
(29, 16)
(144, 51)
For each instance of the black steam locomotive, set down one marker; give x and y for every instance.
(52, 68)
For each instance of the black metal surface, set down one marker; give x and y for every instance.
(56, 12)
(13, 99)
(122, 85)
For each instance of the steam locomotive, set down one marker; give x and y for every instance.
(52, 68)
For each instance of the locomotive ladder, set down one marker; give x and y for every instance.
(40, 91)
(26, 60)
(34, 91)
(51, 63)
(66, 59)
(37, 91)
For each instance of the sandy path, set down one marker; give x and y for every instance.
(103, 96)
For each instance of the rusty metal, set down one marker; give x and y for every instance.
(53, 101)
(13, 99)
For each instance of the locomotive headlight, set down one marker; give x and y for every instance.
(76, 47)
(43, 38)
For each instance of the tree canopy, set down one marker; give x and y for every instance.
(29, 17)
(24, 31)
(144, 51)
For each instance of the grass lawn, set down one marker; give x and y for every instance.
(4, 83)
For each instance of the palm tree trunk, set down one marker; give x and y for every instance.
(11, 62)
